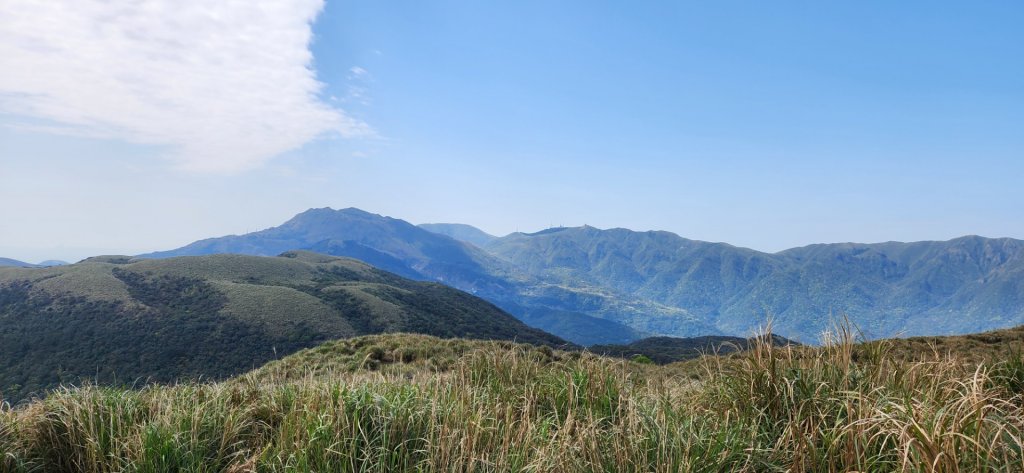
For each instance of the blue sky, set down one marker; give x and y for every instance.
(762, 124)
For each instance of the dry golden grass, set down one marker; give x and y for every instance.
(383, 404)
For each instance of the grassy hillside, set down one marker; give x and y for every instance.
(972, 348)
(663, 350)
(122, 320)
(415, 403)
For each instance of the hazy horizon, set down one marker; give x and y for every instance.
(148, 126)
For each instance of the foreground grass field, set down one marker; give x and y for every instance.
(416, 403)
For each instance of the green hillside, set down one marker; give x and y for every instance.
(972, 348)
(663, 350)
(401, 355)
(122, 320)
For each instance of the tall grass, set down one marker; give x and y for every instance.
(504, 408)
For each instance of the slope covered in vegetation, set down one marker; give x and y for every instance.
(413, 403)
(663, 350)
(127, 321)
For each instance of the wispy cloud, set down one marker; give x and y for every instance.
(357, 72)
(358, 92)
(226, 84)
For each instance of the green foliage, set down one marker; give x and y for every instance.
(642, 359)
(1009, 374)
(178, 334)
(391, 354)
(171, 294)
(124, 322)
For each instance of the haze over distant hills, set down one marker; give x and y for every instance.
(21, 264)
(963, 285)
(14, 263)
(584, 314)
(611, 286)
(118, 318)
(461, 232)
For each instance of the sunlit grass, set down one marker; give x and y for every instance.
(494, 406)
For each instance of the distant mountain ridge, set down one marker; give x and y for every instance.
(15, 263)
(964, 285)
(461, 232)
(413, 252)
(570, 281)
(8, 262)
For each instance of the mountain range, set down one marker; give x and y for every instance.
(120, 319)
(584, 312)
(594, 286)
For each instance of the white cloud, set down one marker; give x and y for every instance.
(226, 84)
(357, 72)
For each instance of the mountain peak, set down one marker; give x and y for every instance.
(329, 216)
(978, 239)
(328, 211)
